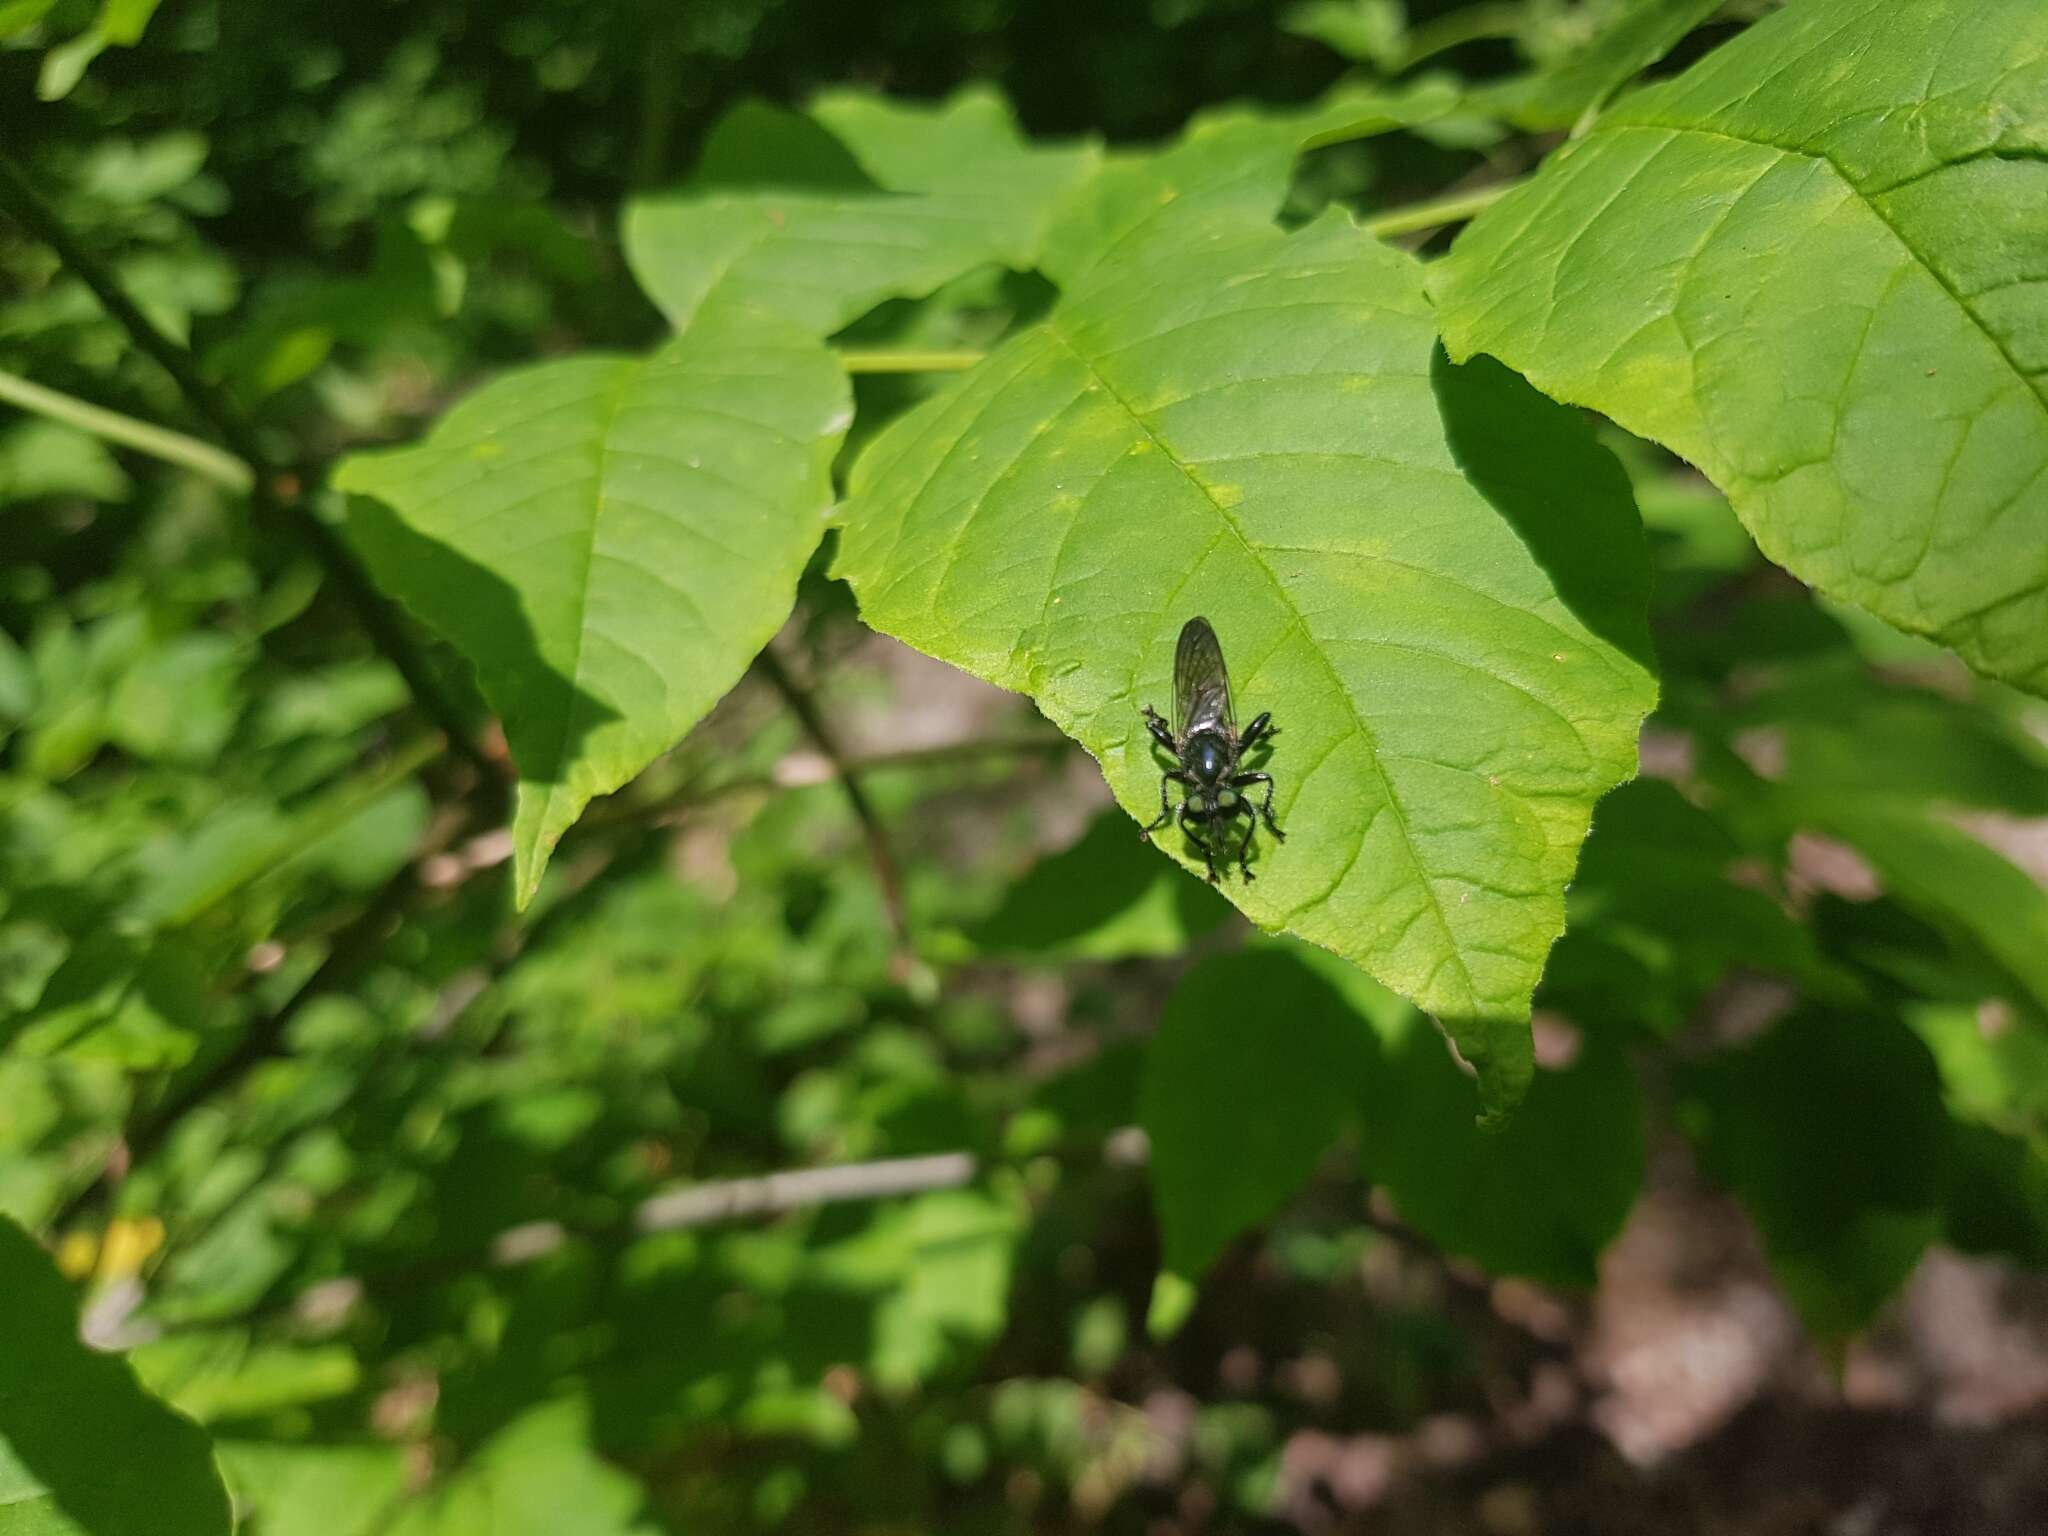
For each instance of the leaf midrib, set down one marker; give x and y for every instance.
(1435, 904)
(2038, 390)
(602, 443)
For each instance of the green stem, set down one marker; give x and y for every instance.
(144, 437)
(1437, 211)
(907, 360)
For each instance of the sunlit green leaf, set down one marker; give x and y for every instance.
(313, 1490)
(1636, 36)
(1812, 265)
(538, 1476)
(1229, 170)
(1433, 579)
(610, 541)
(821, 217)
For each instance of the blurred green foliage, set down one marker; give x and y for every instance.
(407, 1261)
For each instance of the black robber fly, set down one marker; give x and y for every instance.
(1208, 751)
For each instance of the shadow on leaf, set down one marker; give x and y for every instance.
(1515, 446)
(545, 716)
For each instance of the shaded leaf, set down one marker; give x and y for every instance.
(1432, 578)
(1813, 267)
(1257, 1066)
(1655, 920)
(1104, 898)
(1830, 1130)
(1994, 1080)
(1539, 1198)
(1974, 893)
(84, 1451)
(610, 541)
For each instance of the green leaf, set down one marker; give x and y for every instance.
(314, 1490)
(120, 22)
(1431, 577)
(1371, 31)
(1995, 1083)
(84, 1451)
(224, 1374)
(1635, 37)
(536, 1477)
(610, 541)
(115, 998)
(1105, 898)
(820, 218)
(1812, 265)
(1258, 1064)
(180, 702)
(1830, 1129)
(1228, 171)
(1957, 883)
(941, 1265)
(1655, 921)
(1940, 755)
(1540, 1198)
(48, 458)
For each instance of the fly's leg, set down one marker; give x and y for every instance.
(1251, 823)
(1261, 729)
(1187, 825)
(1159, 731)
(1266, 807)
(1165, 809)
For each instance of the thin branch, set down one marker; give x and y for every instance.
(801, 771)
(776, 1194)
(1438, 211)
(273, 493)
(907, 360)
(144, 437)
(805, 708)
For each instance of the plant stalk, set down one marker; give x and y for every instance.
(1438, 211)
(907, 360)
(202, 458)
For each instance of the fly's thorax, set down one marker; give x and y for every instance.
(1207, 757)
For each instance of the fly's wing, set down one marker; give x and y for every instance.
(1201, 686)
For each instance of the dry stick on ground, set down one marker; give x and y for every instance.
(274, 494)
